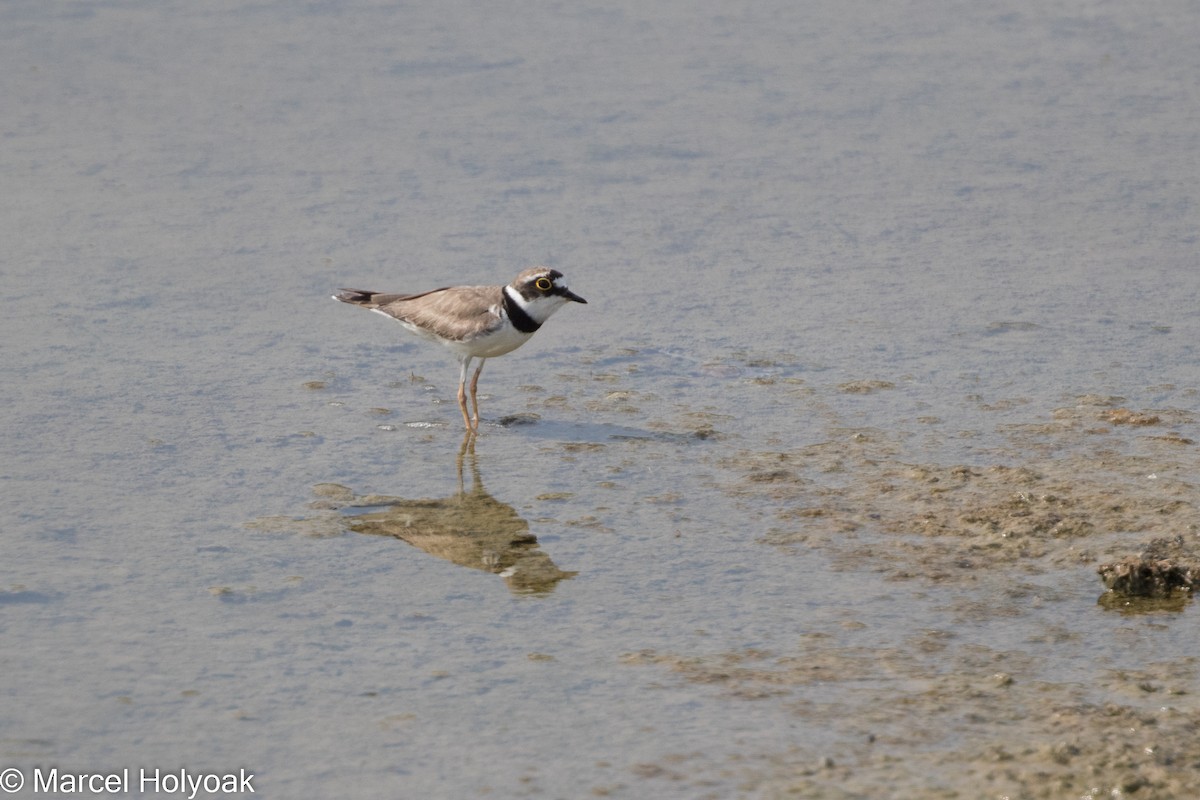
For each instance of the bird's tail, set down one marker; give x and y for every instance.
(356, 297)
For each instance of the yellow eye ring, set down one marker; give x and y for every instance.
(543, 284)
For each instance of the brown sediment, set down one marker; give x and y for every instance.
(971, 726)
(1084, 492)
(855, 497)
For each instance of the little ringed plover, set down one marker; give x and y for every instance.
(474, 321)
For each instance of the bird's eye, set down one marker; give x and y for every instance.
(543, 284)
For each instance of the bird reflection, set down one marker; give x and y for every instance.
(470, 528)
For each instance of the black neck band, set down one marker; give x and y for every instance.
(520, 320)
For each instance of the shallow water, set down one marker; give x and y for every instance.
(831, 253)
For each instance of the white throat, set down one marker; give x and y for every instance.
(539, 308)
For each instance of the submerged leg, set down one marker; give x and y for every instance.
(474, 390)
(462, 390)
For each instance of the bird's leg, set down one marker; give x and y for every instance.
(474, 390)
(462, 392)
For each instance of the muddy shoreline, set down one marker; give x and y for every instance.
(1093, 486)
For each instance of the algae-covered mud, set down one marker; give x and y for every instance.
(1056, 496)
(939, 717)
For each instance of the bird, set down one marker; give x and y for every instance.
(474, 322)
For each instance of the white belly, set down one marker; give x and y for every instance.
(489, 345)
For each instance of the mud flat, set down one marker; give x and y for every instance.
(1096, 487)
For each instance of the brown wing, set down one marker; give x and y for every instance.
(457, 312)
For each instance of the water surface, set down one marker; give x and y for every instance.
(833, 253)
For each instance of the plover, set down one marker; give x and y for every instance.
(474, 321)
